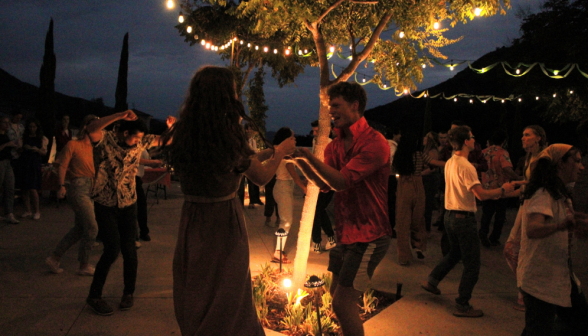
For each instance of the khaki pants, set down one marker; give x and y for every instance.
(410, 217)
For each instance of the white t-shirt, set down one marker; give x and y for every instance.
(141, 168)
(282, 172)
(543, 270)
(460, 177)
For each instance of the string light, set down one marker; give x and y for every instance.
(203, 42)
(299, 52)
(287, 52)
(305, 51)
(455, 99)
(554, 95)
(363, 79)
(275, 51)
(436, 25)
(265, 49)
(248, 45)
(537, 98)
(451, 68)
(241, 42)
(405, 91)
(555, 72)
(503, 101)
(332, 49)
(425, 95)
(471, 101)
(189, 29)
(170, 4)
(181, 18)
(208, 45)
(401, 34)
(256, 47)
(520, 100)
(518, 71)
(477, 11)
(424, 65)
(195, 37)
(571, 92)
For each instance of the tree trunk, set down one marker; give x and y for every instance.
(309, 208)
(121, 84)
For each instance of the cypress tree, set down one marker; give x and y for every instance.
(121, 84)
(47, 105)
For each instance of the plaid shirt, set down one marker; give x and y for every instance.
(116, 168)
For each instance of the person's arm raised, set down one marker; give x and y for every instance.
(95, 128)
(262, 174)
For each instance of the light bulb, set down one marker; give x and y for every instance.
(305, 51)
(332, 49)
(554, 95)
(518, 71)
(537, 98)
(203, 42)
(222, 47)
(287, 283)
(455, 99)
(520, 100)
(405, 91)
(170, 4)
(436, 25)
(401, 34)
(503, 101)
(189, 29)
(555, 72)
(208, 45)
(424, 66)
(265, 49)
(287, 52)
(234, 39)
(471, 101)
(571, 92)
(275, 51)
(181, 18)
(384, 86)
(477, 11)
(451, 68)
(425, 95)
(241, 42)
(195, 37)
(256, 47)
(363, 80)
(483, 101)
(248, 45)
(299, 52)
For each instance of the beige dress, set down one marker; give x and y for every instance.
(212, 280)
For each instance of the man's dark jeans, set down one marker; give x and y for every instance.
(496, 208)
(321, 218)
(464, 245)
(141, 206)
(540, 315)
(118, 229)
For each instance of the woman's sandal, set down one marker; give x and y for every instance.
(284, 260)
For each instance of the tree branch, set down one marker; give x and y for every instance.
(364, 2)
(333, 6)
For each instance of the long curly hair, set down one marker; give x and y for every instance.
(545, 175)
(208, 136)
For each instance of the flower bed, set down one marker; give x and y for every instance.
(295, 313)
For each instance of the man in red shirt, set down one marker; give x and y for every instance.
(357, 166)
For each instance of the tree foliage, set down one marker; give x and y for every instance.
(256, 99)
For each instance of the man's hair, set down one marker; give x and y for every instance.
(314, 123)
(391, 132)
(350, 92)
(458, 123)
(458, 136)
(133, 127)
(498, 138)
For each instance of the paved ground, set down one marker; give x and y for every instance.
(35, 302)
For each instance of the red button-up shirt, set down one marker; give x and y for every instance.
(361, 210)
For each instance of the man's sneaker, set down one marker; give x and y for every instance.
(330, 243)
(145, 237)
(53, 265)
(10, 219)
(317, 248)
(88, 270)
(137, 244)
(467, 311)
(37, 216)
(126, 302)
(26, 215)
(99, 307)
(430, 288)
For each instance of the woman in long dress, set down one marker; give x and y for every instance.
(209, 151)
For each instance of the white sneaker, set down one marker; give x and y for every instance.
(26, 215)
(317, 248)
(10, 219)
(37, 216)
(330, 243)
(53, 265)
(88, 270)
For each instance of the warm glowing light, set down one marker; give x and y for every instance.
(520, 100)
(384, 86)
(483, 70)
(451, 68)
(555, 72)
(216, 48)
(189, 29)
(537, 98)
(332, 49)
(554, 95)
(571, 92)
(203, 42)
(455, 99)
(483, 101)
(425, 95)
(350, 47)
(299, 52)
(436, 25)
(170, 4)
(503, 101)
(518, 71)
(471, 101)
(424, 66)
(305, 51)
(265, 49)
(275, 51)
(364, 79)
(234, 39)
(208, 45)
(222, 47)
(287, 283)
(195, 37)
(401, 34)
(478, 11)
(256, 47)
(397, 175)
(287, 52)
(248, 45)
(241, 42)
(181, 18)
(405, 91)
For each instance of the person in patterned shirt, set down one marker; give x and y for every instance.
(116, 159)
(499, 171)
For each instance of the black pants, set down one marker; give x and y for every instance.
(540, 315)
(253, 192)
(270, 202)
(392, 186)
(490, 208)
(141, 207)
(321, 218)
(118, 228)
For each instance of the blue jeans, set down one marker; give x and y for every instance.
(118, 229)
(85, 226)
(7, 184)
(464, 245)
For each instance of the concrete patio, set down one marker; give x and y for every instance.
(34, 301)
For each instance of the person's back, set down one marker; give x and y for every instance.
(460, 176)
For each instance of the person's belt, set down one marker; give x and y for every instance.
(204, 199)
(462, 214)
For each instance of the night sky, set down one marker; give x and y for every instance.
(88, 40)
